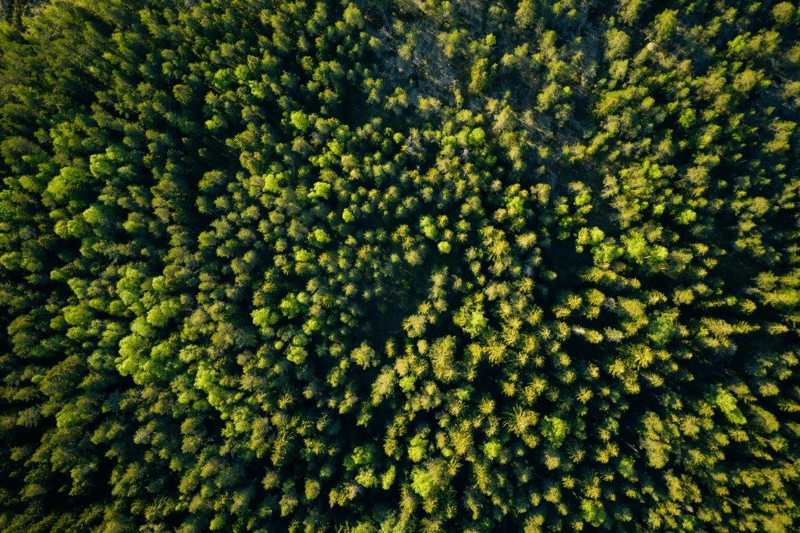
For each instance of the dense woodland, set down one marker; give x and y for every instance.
(399, 265)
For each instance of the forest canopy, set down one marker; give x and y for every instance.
(399, 265)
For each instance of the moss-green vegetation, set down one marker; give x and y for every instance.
(400, 266)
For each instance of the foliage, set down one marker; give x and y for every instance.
(320, 265)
